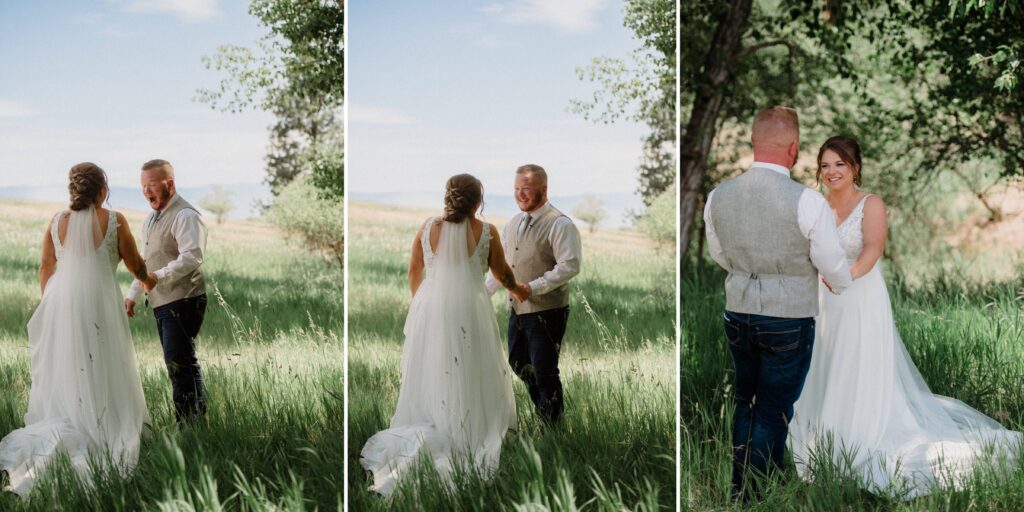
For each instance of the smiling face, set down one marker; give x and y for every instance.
(530, 192)
(836, 174)
(158, 188)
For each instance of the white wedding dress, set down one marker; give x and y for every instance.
(86, 398)
(866, 407)
(455, 403)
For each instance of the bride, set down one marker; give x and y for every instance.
(455, 402)
(86, 398)
(864, 403)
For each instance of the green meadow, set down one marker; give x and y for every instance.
(967, 341)
(271, 353)
(615, 448)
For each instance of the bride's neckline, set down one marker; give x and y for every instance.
(852, 210)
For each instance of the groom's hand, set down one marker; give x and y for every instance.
(129, 307)
(522, 292)
(150, 283)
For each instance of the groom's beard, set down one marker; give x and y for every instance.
(533, 203)
(160, 199)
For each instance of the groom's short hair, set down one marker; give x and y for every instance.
(534, 170)
(161, 165)
(776, 125)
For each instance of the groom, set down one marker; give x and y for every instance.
(174, 241)
(774, 236)
(542, 245)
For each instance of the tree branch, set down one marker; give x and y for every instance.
(768, 44)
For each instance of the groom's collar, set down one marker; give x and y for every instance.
(775, 167)
(166, 206)
(538, 211)
(174, 198)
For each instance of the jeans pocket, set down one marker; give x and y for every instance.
(781, 340)
(732, 333)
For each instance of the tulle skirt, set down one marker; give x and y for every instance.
(455, 403)
(86, 397)
(866, 408)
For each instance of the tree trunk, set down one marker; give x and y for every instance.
(707, 103)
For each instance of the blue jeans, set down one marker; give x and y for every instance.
(771, 356)
(178, 324)
(534, 341)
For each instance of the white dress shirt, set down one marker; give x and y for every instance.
(190, 233)
(568, 250)
(817, 223)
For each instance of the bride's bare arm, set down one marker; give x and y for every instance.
(129, 251)
(48, 261)
(416, 261)
(875, 227)
(499, 267)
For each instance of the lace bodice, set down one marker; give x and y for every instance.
(108, 245)
(479, 256)
(851, 234)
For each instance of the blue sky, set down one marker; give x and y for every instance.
(112, 81)
(438, 88)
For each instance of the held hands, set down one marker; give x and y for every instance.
(150, 282)
(828, 286)
(521, 292)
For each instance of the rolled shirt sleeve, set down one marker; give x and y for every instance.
(568, 251)
(818, 224)
(190, 233)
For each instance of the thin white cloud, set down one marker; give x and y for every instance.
(116, 32)
(569, 16)
(477, 33)
(10, 109)
(364, 114)
(192, 11)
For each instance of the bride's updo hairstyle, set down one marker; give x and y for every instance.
(848, 149)
(86, 182)
(462, 194)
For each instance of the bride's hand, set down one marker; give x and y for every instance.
(521, 292)
(828, 285)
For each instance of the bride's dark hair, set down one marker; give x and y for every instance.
(86, 182)
(462, 194)
(848, 150)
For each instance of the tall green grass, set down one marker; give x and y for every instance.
(271, 353)
(967, 341)
(615, 449)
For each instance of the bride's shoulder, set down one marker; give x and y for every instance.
(429, 221)
(873, 205)
(872, 199)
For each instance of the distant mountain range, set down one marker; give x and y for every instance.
(246, 196)
(619, 206)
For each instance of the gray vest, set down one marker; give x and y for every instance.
(755, 218)
(531, 257)
(161, 249)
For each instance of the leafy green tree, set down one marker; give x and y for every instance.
(641, 89)
(590, 210)
(296, 72)
(914, 83)
(659, 220)
(218, 202)
(301, 211)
